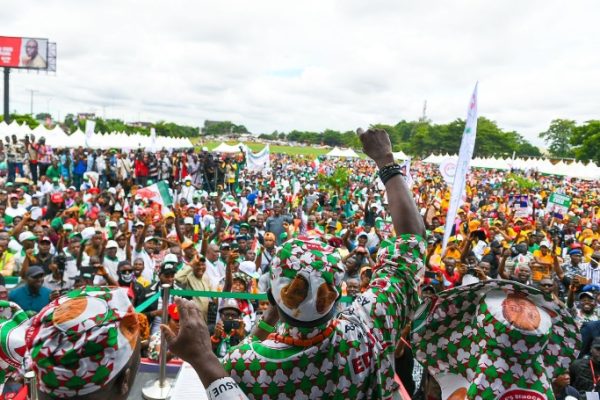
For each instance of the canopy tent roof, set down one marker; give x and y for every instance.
(337, 152)
(225, 148)
(576, 169)
(56, 137)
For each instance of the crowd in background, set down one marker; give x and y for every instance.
(76, 218)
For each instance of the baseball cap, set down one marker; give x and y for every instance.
(188, 220)
(68, 227)
(46, 239)
(34, 271)
(27, 236)
(170, 259)
(111, 224)
(586, 294)
(168, 268)
(225, 246)
(251, 218)
(111, 244)
(149, 238)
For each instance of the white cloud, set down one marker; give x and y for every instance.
(274, 65)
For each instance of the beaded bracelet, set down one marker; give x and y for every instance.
(388, 171)
(266, 327)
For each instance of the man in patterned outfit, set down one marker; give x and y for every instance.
(312, 353)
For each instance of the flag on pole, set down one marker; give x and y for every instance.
(465, 154)
(259, 161)
(89, 132)
(405, 167)
(159, 194)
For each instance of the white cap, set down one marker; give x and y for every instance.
(188, 220)
(27, 235)
(111, 224)
(111, 244)
(68, 227)
(171, 258)
(87, 233)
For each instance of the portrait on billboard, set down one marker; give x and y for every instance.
(33, 53)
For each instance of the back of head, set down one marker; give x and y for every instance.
(81, 342)
(305, 281)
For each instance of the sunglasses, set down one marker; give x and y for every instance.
(126, 271)
(546, 285)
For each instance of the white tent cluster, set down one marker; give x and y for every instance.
(337, 152)
(226, 148)
(56, 137)
(576, 169)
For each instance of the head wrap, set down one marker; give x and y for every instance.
(13, 324)
(306, 278)
(81, 341)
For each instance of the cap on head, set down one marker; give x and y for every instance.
(306, 276)
(35, 271)
(93, 329)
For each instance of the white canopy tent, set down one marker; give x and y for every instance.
(399, 155)
(225, 148)
(337, 152)
(576, 169)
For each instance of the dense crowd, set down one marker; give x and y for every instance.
(76, 221)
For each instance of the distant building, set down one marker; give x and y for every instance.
(140, 124)
(85, 116)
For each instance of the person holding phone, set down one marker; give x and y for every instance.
(229, 330)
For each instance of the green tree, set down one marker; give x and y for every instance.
(42, 116)
(559, 136)
(586, 139)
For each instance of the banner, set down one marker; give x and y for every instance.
(259, 161)
(153, 140)
(520, 205)
(467, 145)
(21, 52)
(558, 205)
(89, 132)
(448, 170)
(405, 168)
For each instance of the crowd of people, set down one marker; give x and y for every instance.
(360, 287)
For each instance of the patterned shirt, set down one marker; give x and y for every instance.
(356, 360)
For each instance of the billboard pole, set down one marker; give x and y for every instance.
(6, 108)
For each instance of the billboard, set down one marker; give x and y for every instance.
(22, 52)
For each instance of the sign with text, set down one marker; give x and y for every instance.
(22, 52)
(558, 205)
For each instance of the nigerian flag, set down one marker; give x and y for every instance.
(159, 194)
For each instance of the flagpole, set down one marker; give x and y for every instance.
(467, 145)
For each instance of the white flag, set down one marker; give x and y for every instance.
(89, 132)
(153, 140)
(259, 161)
(465, 154)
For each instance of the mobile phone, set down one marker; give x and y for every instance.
(430, 274)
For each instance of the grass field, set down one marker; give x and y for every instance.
(255, 147)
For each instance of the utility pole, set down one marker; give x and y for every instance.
(424, 116)
(31, 101)
(6, 86)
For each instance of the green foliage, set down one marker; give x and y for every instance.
(42, 117)
(336, 182)
(521, 182)
(559, 136)
(223, 128)
(586, 139)
(25, 118)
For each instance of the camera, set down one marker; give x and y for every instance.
(230, 325)
(60, 261)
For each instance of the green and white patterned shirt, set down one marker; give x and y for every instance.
(357, 360)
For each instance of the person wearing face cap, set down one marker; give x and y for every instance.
(352, 354)
(166, 276)
(32, 296)
(85, 345)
